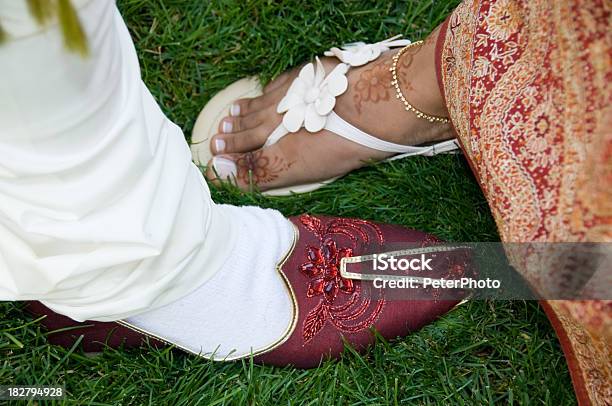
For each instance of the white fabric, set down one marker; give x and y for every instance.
(245, 307)
(102, 214)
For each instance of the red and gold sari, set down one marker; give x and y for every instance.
(527, 88)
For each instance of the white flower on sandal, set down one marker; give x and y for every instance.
(360, 53)
(312, 96)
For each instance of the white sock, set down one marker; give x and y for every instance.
(245, 307)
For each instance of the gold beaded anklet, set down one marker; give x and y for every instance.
(400, 95)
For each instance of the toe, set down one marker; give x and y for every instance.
(236, 124)
(243, 141)
(228, 125)
(243, 134)
(243, 107)
(221, 168)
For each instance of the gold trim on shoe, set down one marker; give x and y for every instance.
(288, 332)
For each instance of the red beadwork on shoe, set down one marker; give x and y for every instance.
(322, 266)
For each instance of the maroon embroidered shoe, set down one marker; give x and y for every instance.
(65, 332)
(336, 296)
(331, 307)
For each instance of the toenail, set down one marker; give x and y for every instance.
(220, 145)
(224, 168)
(235, 110)
(227, 126)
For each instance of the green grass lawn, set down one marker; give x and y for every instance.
(481, 353)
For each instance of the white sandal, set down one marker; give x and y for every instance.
(309, 103)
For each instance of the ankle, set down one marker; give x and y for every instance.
(418, 81)
(424, 132)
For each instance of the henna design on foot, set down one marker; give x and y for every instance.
(374, 85)
(258, 168)
(405, 63)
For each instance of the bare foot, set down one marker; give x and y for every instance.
(304, 157)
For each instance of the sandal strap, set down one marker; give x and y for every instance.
(343, 128)
(278, 133)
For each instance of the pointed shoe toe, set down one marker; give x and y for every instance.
(333, 310)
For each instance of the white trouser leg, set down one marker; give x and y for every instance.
(102, 214)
